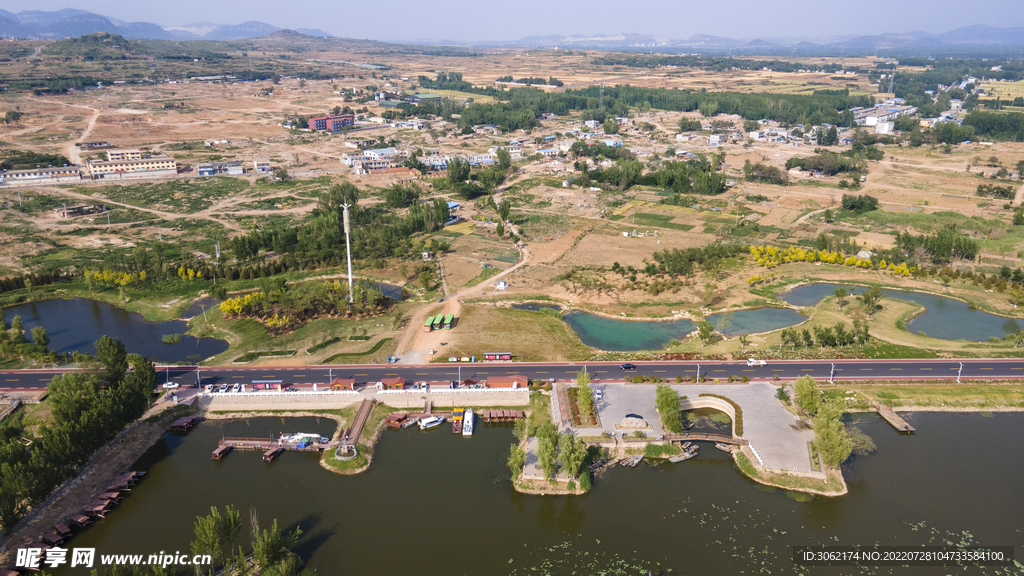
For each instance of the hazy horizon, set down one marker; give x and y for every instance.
(464, 21)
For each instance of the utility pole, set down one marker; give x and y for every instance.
(348, 248)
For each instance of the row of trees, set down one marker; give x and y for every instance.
(13, 342)
(831, 439)
(88, 409)
(553, 449)
(217, 533)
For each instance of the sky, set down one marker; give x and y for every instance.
(468, 20)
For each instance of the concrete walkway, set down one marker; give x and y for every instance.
(531, 467)
(772, 430)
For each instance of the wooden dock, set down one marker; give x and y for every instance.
(501, 415)
(361, 416)
(221, 451)
(701, 437)
(183, 424)
(893, 418)
(269, 455)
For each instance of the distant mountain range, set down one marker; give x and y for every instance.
(71, 22)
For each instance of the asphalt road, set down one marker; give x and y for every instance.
(974, 369)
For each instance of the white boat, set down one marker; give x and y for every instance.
(430, 422)
(467, 422)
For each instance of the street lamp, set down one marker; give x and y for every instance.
(959, 372)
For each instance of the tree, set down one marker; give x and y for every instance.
(1014, 332)
(17, 330)
(830, 436)
(516, 458)
(828, 216)
(111, 354)
(521, 429)
(871, 298)
(504, 159)
(724, 322)
(666, 401)
(40, 337)
(426, 278)
(572, 453)
(1017, 297)
(504, 209)
(500, 229)
(611, 126)
(750, 125)
(744, 340)
(269, 546)
(458, 171)
(840, 294)
(281, 174)
(209, 538)
(547, 455)
(584, 396)
(807, 396)
(399, 196)
(706, 332)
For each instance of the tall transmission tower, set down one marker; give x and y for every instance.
(601, 97)
(348, 247)
(892, 78)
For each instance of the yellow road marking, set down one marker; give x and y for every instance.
(807, 369)
(925, 368)
(659, 370)
(986, 368)
(360, 374)
(867, 368)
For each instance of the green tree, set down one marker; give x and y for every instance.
(281, 174)
(572, 453)
(547, 455)
(1018, 217)
(500, 229)
(807, 396)
(111, 354)
(1017, 296)
(516, 459)
(840, 294)
(401, 196)
(504, 159)
(611, 126)
(830, 436)
(17, 330)
(871, 298)
(828, 216)
(504, 209)
(521, 429)
(269, 547)
(209, 537)
(666, 400)
(40, 337)
(706, 332)
(458, 172)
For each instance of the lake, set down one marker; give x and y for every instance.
(944, 318)
(437, 503)
(628, 335)
(74, 325)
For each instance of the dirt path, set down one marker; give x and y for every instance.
(1019, 196)
(414, 338)
(70, 150)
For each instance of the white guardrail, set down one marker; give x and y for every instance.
(756, 454)
(276, 393)
(450, 390)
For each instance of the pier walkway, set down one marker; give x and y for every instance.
(893, 418)
(361, 416)
(685, 437)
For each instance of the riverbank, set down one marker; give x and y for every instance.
(829, 483)
(113, 459)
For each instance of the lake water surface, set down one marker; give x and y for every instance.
(436, 503)
(945, 318)
(74, 325)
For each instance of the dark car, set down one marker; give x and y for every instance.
(628, 366)
(637, 416)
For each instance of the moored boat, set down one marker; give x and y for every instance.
(430, 422)
(684, 456)
(457, 414)
(467, 422)
(724, 447)
(409, 422)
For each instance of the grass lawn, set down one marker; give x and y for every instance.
(527, 335)
(660, 220)
(952, 396)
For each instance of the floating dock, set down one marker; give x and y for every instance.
(183, 424)
(501, 415)
(221, 451)
(269, 455)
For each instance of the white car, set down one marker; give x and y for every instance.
(236, 388)
(598, 394)
(171, 385)
(756, 362)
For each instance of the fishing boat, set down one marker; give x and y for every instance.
(467, 422)
(456, 420)
(430, 422)
(724, 447)
(409, 422)
(636, 460)
(684, 456)
(687, 424)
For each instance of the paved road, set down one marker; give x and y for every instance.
(788, 369)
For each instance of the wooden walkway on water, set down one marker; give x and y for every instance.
(893, 418)
(701, 437)
(361, 416)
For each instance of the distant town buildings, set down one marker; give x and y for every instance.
(332, 123)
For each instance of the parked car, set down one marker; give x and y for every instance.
(236, 388)
(628, 366)
(223, 387)
(598, 394)
(291, 389)
(171, 385)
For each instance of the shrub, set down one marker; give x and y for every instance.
(745, 378)
(679, 379)
(585, 480)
